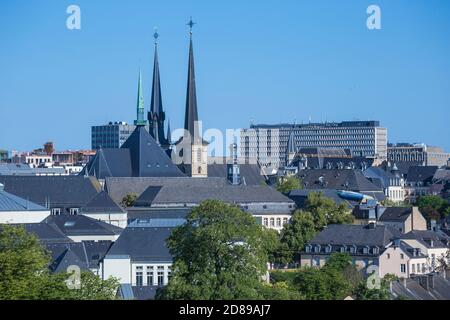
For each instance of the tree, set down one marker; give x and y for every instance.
(219, 253)
(25, 274)
(295, 235)
(325, 211)
(389, 203)
(362, 292)
(271, 241)
(334, 281)
(129, 200)
(433, 207)
(287, 184)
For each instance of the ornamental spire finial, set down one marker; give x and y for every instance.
(156, 35)
(191, 25)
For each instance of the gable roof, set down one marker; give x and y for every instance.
(118, 187)
(74, 225)
(101, 203)
(142, 243)
(345, 179)
(359, 235)
(228, 193)
(395, 214)
(421, 173)
(55, 191)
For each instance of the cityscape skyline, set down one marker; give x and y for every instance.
(87, 85)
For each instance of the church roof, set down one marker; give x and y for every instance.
(139, 156)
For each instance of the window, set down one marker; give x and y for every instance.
(74, 211)
(285, 220)
(149, 276)
(418, 268)
(402, 268)
(413, 268)
(423, 268)
(272, 222)
(160, 275)
(56, 211)
(317, 262)
(278, 222)
(266, 222)
(139, 276)
(388, 256)
(402, 256)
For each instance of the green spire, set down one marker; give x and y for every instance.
(140, 120)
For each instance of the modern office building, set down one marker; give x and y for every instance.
(112, 135)
(269, 143)
(417, 154)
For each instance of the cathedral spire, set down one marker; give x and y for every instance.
(140, 121)
(156, 115)
(191, 114)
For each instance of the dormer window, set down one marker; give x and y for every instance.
(366, 250)
(375, 250)
(56, 211)
(343, 249)
(317, 248)
(328, 249)
(308, 248)
(352, 249)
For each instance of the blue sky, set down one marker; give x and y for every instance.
(267, 61)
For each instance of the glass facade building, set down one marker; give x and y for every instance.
(112, 135)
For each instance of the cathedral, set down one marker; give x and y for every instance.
(149, 151)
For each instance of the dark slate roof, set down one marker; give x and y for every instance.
(359, 235)
(143, 244)
(139, 156)
(416, 288)
(75, 225)
(379, 176)
(396, 214)
(345, 179)
(229, 193)
(135, 213)
(144, 292)
(331, 163)
(421, 173)
(117, 188)
(147, 158)
(58, 191)
(250, 173)
(87, 253)
(301, 195)
(44, 232)
(101, 203)
(66, 259)
(10, 202)
(431, 239)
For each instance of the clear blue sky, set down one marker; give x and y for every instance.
(267, 60)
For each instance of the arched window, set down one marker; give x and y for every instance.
(199, 170)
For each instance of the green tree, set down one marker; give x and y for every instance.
(331, 282)
(279, 291)
(129, 200)
(271, 241)
(287, 184)
(389, 203)
(433, 207)
(219, 253)
(362, 292)
(325, 211)
(295, 235)
(24, 272)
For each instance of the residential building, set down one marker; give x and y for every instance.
(434, 244)
(402, 260)
(4, 155)
(112, 135)
(140, 257)
(417, 154)
(419, 182)
(403, 219)
(364, 243)
(392, 182)
(268, 143)
(14, 209)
